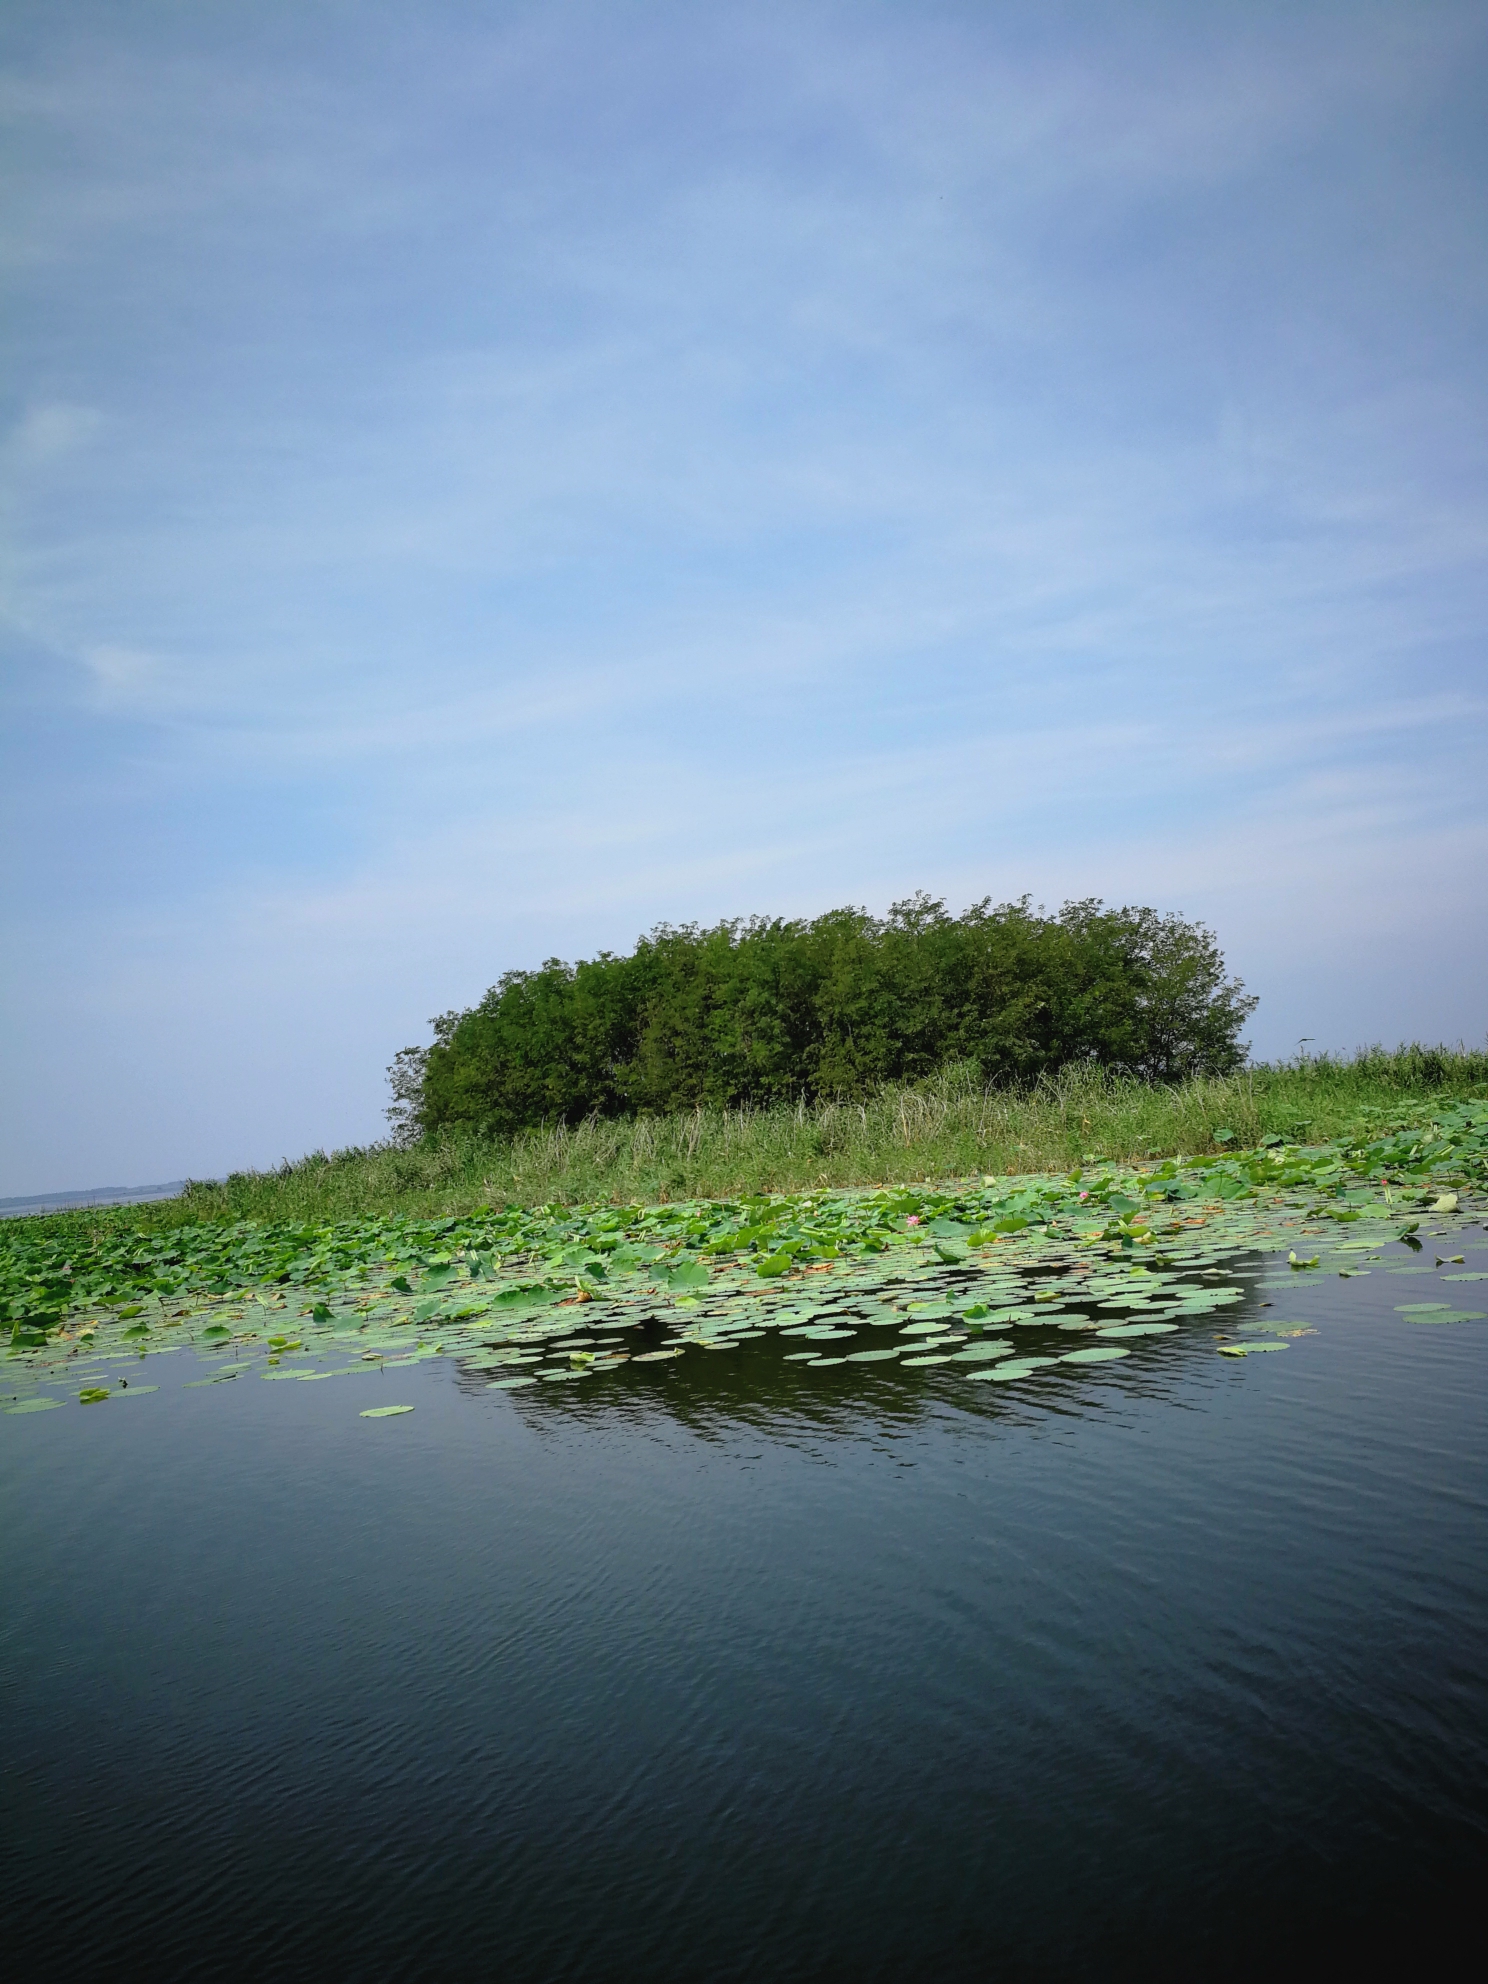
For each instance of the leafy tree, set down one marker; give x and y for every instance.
(766, 1010)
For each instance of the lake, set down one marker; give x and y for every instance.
(725, 1668)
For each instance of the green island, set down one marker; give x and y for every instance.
(988, 1272)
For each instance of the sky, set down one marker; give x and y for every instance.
(478, 481)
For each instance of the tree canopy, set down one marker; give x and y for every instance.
(766, 1010)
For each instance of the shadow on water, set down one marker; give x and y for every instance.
(756, 1384)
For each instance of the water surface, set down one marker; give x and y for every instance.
(1172, 1666)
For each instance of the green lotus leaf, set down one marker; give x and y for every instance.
(688, 1274)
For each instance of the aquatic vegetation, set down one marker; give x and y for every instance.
(952, 1125)
(928, 1278)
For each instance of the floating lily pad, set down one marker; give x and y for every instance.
(1096, 1353)
(37, 1405)
(384, 1411)
(1018, 1367)
(1136, 1329)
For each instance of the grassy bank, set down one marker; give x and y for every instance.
(946, 1128)
(350, 1230)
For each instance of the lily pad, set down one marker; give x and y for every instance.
(384, 1411)
(687, 1274)
(37, 1405)
(1096, 1353)
(1018, 1367)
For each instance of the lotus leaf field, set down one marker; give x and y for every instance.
(985, 1281)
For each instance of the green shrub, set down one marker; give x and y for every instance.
(754, 1014)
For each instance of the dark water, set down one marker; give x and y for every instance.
(716, 1669)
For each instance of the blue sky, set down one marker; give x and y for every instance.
(480, 480)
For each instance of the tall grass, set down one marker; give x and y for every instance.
(943, 1128)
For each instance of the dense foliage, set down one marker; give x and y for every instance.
(758, 1012)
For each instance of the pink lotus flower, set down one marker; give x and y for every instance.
(914, 1219)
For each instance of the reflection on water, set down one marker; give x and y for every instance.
(756, 1383)
(722, 1668)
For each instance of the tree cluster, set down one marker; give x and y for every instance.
(766, 1010)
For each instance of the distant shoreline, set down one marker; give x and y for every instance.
(99, 1195)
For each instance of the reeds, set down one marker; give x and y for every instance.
(947, 1127)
